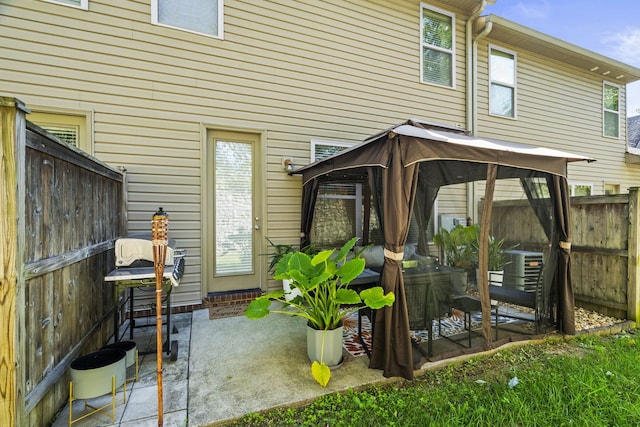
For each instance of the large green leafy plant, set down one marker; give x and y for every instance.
(325, 296)
(457, 245)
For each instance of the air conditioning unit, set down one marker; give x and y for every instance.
(449, 222)
(522, 269)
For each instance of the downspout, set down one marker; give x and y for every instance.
(471, 46)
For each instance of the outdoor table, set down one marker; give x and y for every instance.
(138, 277)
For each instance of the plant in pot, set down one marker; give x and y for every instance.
(325, 298)
(278, 251)
(458, 251)
(497, 258)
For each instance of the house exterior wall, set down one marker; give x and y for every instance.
(292, 71)
(334, 70)
(559, 106)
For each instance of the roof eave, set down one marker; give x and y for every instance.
(553, 48)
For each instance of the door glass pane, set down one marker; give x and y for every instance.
(233, 208)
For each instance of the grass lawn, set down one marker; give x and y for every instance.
(583, 381)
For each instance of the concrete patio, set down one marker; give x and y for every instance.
(225, 368)
(229, 367)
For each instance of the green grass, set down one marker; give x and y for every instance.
(584, 381)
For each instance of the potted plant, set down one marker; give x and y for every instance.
(278, 251)
(497, 258)
(325, 298)
(458, 251)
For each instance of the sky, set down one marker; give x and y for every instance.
(608, 27)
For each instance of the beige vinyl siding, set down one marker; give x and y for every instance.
(560, 107)
(296, 71)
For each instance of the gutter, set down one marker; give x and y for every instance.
(471, 46)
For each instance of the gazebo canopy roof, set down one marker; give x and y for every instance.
(425, 141)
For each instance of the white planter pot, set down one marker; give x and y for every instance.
(92, 374)
(332, 355)
(290, 293)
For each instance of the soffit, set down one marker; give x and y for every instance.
(467, 6)
(527, 39)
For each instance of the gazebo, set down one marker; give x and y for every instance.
(403, 168)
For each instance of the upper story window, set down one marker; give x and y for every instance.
(437, 42)
(198, 16)
(611, 110)
(502, 74)
(80, 4)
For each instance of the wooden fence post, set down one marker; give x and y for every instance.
(633, 266)
(12, 148)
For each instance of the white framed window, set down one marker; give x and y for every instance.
(502, 82)
(580, 189)
(610, 110)
(69, 127)
(437, 46)
(197, 16)
(80, 4)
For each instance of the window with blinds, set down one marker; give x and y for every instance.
(437, 62)
(68, 134)
(338, 214)
(74, 128)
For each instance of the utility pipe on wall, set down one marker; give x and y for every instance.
(471, 46)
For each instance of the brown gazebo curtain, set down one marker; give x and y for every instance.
(391, 344)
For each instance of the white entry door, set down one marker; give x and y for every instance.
(234, 217)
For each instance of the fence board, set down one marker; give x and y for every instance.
(600, 246)
(72, 207)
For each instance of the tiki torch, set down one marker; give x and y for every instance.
(159, 241)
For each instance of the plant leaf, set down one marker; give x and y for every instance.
(321, 257)
(258, 308)
(350, 270)
(342, 254)
(376, 299)
(321, 373)
(347, 296)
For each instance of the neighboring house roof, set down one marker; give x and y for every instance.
(555, 49)
(633, 131)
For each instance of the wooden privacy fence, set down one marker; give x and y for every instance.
(61, 213)
(605, 252)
